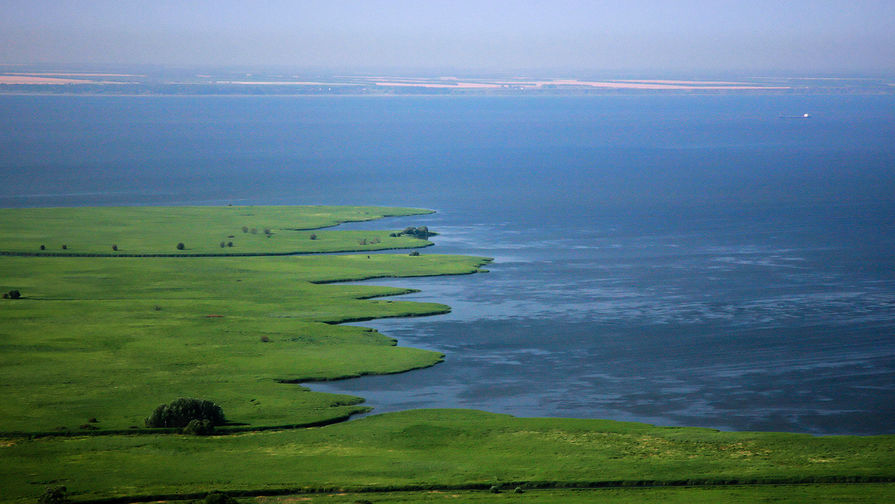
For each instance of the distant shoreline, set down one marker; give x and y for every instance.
(44, 83)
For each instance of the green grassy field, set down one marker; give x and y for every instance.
(110, 338)
(158, 230)
(113, 338)
(441, 450)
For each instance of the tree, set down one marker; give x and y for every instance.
(54, 495)
(181, 246)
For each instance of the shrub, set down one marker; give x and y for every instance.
(198, 427)
(13, 294)
(115, 248)
(253, 230)
(64, 247)
(518, 490)
(229, 244)
(267, 231)
(421, 232)
(245, 229)
(495, 489)
(43, 247)
(313, 236)
(223, 244)
(218, 498)
(54, 495)
(265, 339)
(181, 246)
(180, 412)
(415, 253)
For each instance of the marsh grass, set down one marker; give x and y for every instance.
(156, 230)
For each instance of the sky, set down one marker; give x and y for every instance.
(806, 37)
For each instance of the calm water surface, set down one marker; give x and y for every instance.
(680, 260)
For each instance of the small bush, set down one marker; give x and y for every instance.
(218, 498)
(494, 489)
(54, 495)
(229, 244)
(223, 244)
(43, 247)
(265, 339)
(64, 247)
(414, 253)
(198, 427)
(115, 248)
(180, 412)
(253, 230)
(267, 231)
(518, 490)
(13, 294)
(245, 229)
(181, 246)
(313, 236)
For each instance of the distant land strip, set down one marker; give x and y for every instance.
(291, 84)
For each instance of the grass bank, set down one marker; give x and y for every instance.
(444, 450)
(134, 231)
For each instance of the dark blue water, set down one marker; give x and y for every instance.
(681, 260)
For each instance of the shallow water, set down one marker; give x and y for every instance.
(675, 260)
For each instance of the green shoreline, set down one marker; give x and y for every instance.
(111, 339)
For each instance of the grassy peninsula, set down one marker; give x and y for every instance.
(95, 342)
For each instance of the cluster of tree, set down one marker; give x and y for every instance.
(421, 232)
(13, 294)
(195, 416)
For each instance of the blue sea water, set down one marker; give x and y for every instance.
(679, 260)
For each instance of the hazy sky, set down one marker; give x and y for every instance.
(803, 36)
